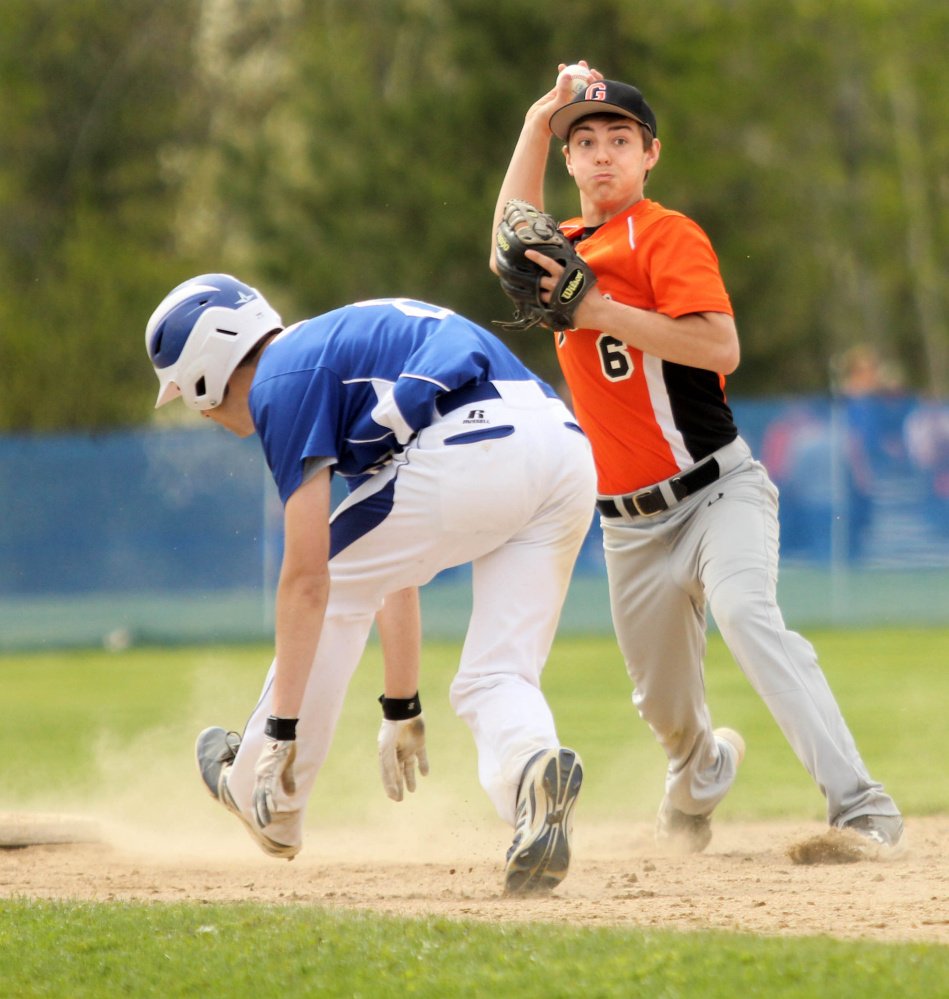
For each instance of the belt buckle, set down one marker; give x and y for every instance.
(648, 509)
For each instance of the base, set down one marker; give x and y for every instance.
(18, 829)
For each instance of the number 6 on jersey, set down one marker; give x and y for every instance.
(615, 361)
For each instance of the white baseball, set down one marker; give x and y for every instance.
(580, 77)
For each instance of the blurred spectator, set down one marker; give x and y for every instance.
(799, 452)
(861, 371)
(926, 432)
(876, 406)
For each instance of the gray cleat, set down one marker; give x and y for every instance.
(682, 832)
(216, 750)
(886, 831)
(685, 833)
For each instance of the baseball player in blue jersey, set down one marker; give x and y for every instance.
(453, 452)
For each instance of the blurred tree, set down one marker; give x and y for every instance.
(785, 144)
(91, 92)
(365, 162)
(333, 150)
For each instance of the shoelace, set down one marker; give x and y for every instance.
(232, 742)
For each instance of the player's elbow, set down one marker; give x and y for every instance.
(731, 357)
(305, 574)
(724, 342)
(304, 592)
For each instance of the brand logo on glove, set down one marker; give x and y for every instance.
(503, 243)
(572, 287)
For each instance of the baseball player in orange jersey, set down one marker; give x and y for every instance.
(689, 517)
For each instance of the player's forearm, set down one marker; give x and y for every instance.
(300, 608)
(706, 340)
(400, 633)
(525, 173)
(302, 592)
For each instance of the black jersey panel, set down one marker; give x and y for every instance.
(699, 409)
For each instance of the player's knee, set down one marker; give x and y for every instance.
(461, 693)
(664, 716)
(741, 599)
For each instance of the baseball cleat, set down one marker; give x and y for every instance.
(682, 832)
(885, 831)
(216, 750)
(540, 854)
(685, 833)
(734, 740)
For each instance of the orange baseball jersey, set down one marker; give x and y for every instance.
(646, 418)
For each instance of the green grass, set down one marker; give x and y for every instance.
(100, 951)
(74, 720)
(71, 719)
(114, 732)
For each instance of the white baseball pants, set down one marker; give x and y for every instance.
(517, 506)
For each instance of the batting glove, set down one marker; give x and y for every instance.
(401, 745)
(274, 770)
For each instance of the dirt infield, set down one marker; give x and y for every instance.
(744, 882)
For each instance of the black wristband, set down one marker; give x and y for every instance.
(281, 729)
(400, 708)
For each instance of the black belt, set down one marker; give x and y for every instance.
(465, 396)
(647, 502)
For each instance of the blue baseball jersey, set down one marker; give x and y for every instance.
(356, 384)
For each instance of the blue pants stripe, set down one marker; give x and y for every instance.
(360, 519)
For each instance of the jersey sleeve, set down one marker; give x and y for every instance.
(683, 269)
(446, 360)
(298, 416)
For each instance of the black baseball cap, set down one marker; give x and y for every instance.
(603, 97)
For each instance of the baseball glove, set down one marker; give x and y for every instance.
(524, 228)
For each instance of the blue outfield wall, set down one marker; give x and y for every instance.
(174, 535)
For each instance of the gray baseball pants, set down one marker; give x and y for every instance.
(720, 547)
